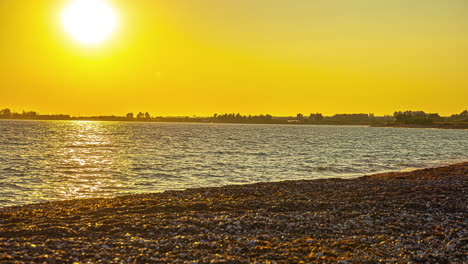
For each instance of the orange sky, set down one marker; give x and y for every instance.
(184, 57)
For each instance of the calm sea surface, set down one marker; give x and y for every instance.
(56, 160)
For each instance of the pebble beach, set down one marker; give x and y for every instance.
(401, 217)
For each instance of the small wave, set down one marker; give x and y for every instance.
(337, 169)
(323, 168)
(77, 167)
(15, 143)
(5, 185)
(90, 146)
(79, 171)
(227, 152)
(144, 184)
(12, 169)
(139, 168)
(257, 153)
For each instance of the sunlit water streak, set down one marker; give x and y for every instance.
(56, 160)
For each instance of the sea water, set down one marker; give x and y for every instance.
(56, 160)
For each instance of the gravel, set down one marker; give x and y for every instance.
(410, 217)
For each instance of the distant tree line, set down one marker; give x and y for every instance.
(416, 117)
(420, 117)
(238, 118)
(314, 118)
(406, 117)
(338, 119)
(8, 114)
(139, 116)
(399, 117)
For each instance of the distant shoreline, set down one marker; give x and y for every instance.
(414, 119)
(416, 216)
(444, 125)
(436, 125)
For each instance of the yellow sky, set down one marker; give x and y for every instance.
(185, 57)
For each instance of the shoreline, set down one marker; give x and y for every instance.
(414, 216)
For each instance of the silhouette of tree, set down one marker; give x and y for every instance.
(129, 116)
(147, 115)
(31, 114)
(140, 115)
(434, 117)
(5, 113)
(350, 118)
(315, 118)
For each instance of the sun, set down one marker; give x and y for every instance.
(89, 22)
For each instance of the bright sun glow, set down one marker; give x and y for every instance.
(89, 22)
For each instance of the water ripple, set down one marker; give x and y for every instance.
(56, 160)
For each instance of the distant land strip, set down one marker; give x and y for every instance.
(407, 119)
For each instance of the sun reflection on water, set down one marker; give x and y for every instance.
(87, 160)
